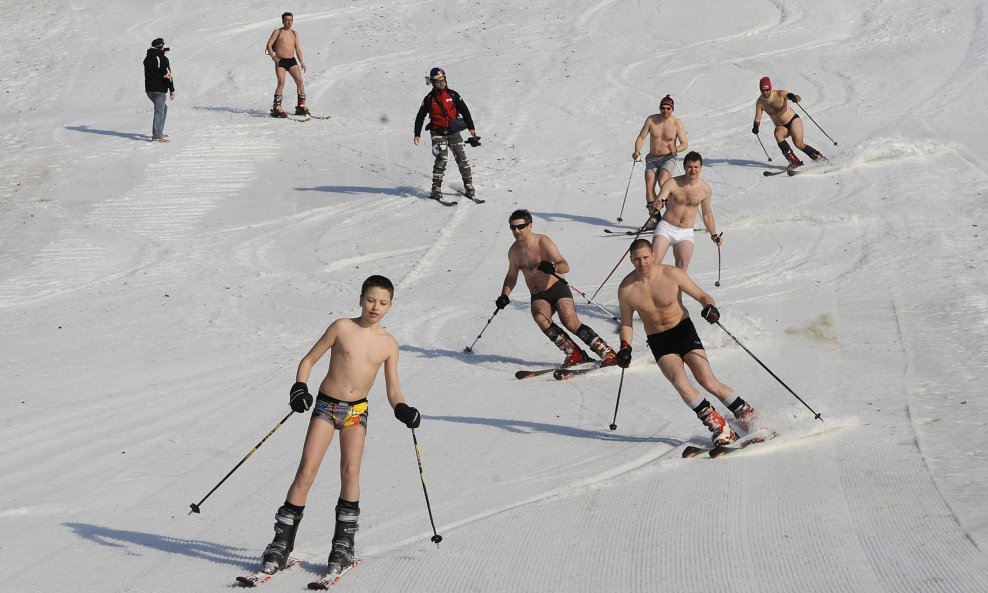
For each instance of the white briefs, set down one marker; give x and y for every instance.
(674, 233)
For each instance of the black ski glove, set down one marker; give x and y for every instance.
(546, 267)
(716, 238)
(408, 415)
(502, 301)
(624, 355)
(299, 398)
(754, 128)
(474, 141)
(711, 314)
(792, 97)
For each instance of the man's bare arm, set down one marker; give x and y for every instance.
(298, 52)
(511, 278)
(687, 285)
(640, 140)
(270, 45)
(707, 213)
(665, 189)
(626, 333)
(553, 254)
(681, 138)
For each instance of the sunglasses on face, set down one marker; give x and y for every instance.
(518, 227)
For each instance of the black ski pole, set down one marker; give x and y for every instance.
(618, 264)
(630, 175)
(814, 122)
(613, 425)
(763, 148)
(470, 347)
(718, 264)
(815, 414)
(195, 506)
(436, 538)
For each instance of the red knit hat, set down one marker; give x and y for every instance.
(765, 84)
(667, 100)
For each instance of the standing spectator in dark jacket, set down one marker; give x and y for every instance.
(448, 116)
(158, 84)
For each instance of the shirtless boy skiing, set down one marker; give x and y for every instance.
(358, 347)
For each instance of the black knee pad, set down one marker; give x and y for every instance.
(586, 334)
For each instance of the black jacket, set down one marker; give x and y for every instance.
(461, 109)
(156, 66)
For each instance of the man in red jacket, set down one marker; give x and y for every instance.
(448, 116)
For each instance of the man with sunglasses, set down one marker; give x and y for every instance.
(787, 123)
(540, 262)
(448, 116)
(667, 138)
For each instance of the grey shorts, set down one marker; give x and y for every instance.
(666, 162)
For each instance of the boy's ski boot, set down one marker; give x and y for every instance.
(341, 557)
(276, 554)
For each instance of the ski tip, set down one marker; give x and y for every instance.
(692, 451)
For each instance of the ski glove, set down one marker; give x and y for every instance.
(792, 97)
(408, 415)
(474, 141)
(299, 398)
(716, 238)
(502, 301)
(754, 128)
(624, 355)
(546, 267)
(711, 314)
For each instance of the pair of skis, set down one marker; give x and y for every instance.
(473, 199)
(558, 373)
(791, 171)
(328, 580)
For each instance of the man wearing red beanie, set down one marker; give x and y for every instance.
(787, 123)
(667, 138)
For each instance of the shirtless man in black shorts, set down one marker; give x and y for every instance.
(539, 261)
(787, 123)
(655, 292)
(283, 46)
